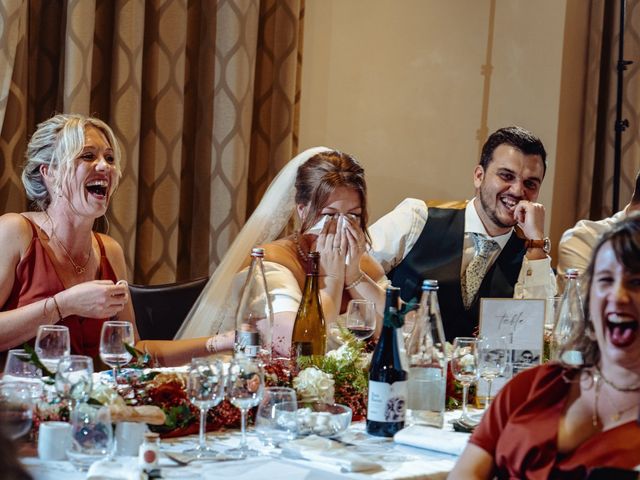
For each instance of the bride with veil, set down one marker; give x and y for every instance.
(325, 191)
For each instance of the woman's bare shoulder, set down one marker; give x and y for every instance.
(15, 232)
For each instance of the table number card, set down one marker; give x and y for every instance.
(522, 323)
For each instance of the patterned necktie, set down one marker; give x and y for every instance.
(477, 268)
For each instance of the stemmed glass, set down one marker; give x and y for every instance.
(464, 366)
(492, 360)
(74, 379)
(52, 343)
(246, 384)
(205, 389)
(115, 334)
(361, 318)
(19, 369)
(16, 411)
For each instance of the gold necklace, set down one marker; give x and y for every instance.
(617, 415)
(631, 388)
(80, 269)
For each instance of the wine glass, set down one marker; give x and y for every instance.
(19, 369)
(267, 426)
(52, 343)
(361, 318)
(16, 413)
(246, 384)
(74, 379)
(205, 389)
(91, 435)
(492, 360)
(464, 366)
(115, 334)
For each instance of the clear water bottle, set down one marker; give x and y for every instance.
(569, 321)
(254, 317)
(427, 361)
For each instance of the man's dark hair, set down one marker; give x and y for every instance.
(518, 138)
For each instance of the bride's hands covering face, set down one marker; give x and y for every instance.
(356, 246)
(332, 244)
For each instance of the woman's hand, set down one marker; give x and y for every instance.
(332, 246)
(357, 244)
(94, 299)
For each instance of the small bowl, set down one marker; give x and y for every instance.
(322, 419)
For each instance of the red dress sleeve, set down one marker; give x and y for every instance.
(515, 393)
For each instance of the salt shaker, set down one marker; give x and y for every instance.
(149, 451)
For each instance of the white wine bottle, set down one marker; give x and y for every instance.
(309, 332)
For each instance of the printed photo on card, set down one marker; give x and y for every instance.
(521, 322)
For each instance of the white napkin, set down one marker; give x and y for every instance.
(433, 439)
(327, 451)
(116, 469)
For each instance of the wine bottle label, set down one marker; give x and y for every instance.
(303, 349)
(248, 343)
(387, 402)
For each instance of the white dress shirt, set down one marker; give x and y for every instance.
(395, 234)
(576, 244)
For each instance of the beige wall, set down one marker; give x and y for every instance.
(400, 85)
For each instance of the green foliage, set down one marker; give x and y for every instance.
(347, 368)
(35, 360)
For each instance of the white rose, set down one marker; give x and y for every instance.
(314, 385)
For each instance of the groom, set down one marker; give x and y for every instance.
(494, 246)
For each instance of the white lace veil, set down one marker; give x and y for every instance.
(214, 310)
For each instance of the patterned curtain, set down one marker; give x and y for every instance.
(595, 184)
(203, 96)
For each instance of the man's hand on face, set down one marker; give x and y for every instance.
(530, 218)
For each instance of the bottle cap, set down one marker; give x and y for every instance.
(572, 273)
(430, 285)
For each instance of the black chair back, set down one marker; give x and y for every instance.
(161, 309)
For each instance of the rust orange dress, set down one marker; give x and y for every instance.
(36, 279)
(520, 431)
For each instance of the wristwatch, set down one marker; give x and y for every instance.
(544, 244)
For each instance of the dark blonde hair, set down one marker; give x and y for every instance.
(624, 239)
(321, 175)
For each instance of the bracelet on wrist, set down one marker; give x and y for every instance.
(355, 283)
(211, 345)
(55, 303)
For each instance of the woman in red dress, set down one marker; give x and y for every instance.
(558, 421)
(54, 269)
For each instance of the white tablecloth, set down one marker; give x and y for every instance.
(396, 461)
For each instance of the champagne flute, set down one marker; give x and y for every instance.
(74, 379)
(246, 384)
(52, 343)
(19, 369)
(115, 334)
(205, 389)
(492, 360)
(464, 366)
(361, 318)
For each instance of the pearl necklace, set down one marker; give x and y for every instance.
(79, 269)
(303, 256)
